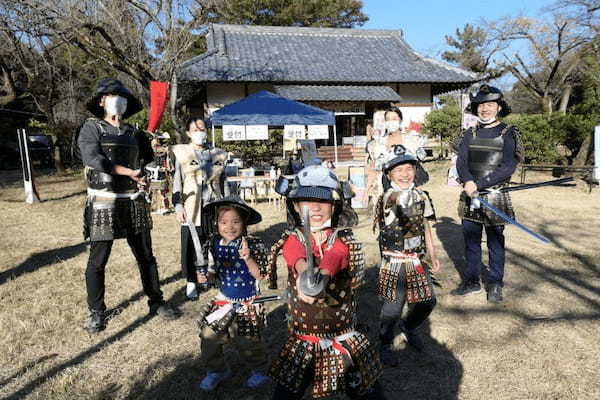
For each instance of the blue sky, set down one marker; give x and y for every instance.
(426, 22)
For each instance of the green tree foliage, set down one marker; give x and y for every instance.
(317, 13)
(473, 51)
(445, 121)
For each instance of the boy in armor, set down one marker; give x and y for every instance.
(324, 347)
(114, 155)
(405, 239)
(236, 262)
(487, 157)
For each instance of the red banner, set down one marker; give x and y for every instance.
(158, 100)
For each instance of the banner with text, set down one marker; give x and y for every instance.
(257, 132)
(234, 132)
(318, 132)
(293, 132)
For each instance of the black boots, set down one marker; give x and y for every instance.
(494, 294)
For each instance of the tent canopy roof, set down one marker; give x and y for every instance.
(265, 108)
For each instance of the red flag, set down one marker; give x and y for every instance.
(158, 99)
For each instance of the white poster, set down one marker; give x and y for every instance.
(318, 132)
(257, 132)
(293, 132)
(234, 132)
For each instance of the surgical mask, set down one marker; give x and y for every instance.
(392, 126)
(199, 137)
(326, 224)
(115, 105)
(486, 121)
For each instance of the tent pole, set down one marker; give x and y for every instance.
(335, 144)
(213, 136)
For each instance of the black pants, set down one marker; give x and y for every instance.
(391, 314)
(375, 392)
(141, 246)
(188, 253)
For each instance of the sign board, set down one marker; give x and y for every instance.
(234, 132)
(257, 132)
(294, 132)
(316, 132)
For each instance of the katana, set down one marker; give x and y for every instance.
(508, 219)
(311, 282)
(555, 182)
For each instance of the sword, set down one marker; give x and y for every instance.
(199, 262)
(311, 282)
(511, 221)
(555, 182)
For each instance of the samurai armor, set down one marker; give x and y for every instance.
(409, 272)
(355, 367)
(109, 218)
(483, 215)
(249, 319)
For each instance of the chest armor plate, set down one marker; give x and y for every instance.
(119, 149)
(407, 230)
(485, 155)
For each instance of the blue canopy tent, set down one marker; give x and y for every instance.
(266, 108)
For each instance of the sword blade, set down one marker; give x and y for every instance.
(512, 221)
(555, 182)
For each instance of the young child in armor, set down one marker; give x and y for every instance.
(405, 238)
(324, 348)
(236, 263)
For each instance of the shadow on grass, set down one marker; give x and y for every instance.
(27, 366)
(28, 388)
(41, 260)
(450, 235)
(64, 197)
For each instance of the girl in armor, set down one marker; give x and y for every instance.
(324, 347)
(236, 263)
(405, 238)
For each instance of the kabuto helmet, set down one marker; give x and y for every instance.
(249, 214)
(486, 94)
(318, 183)
(108, 86)
(397, 155)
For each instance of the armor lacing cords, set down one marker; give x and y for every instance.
(335, 343)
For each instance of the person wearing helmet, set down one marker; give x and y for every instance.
(405, 238)
(237, 262)
(324, 347)
(115, 154)
(488, 155)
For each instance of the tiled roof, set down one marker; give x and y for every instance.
(337, 93)
(319, 55)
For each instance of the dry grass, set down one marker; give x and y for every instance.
(540, 344)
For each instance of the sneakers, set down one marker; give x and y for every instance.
(212, 380)
(95, 322)
(191, 291)
(164, 311)
(494, 294)
(388, 356)
(466, 287)
(257, 379)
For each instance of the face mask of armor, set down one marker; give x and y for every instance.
(392, 126)
(199, 137)
(115, 105)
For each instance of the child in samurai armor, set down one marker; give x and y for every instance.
(405, 238)
(324, 347)
(236, 263)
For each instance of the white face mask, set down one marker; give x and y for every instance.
(392, 126)
(326, 224)
(199, 137)
(115, 105)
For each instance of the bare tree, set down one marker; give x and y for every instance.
(554, 48)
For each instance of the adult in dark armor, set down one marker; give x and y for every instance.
(324, 347)
(114, 155)
(488, 155)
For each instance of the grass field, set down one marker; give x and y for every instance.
(541, 343)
